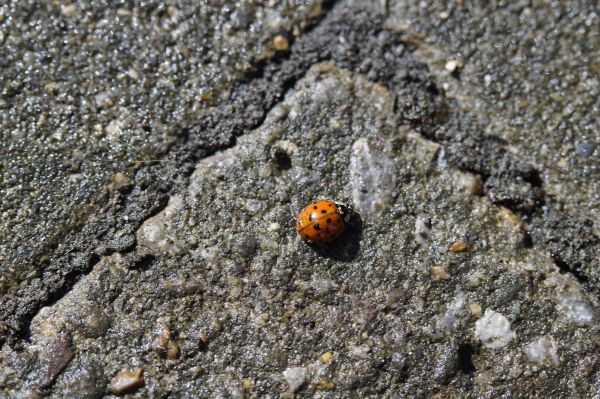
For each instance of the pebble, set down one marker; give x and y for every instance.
(453, 65)
(153, 232)
(542, 351)
(373, 178)
(446, 365)
(439, 273)
(576, 309)
(295, 377)
(325, 385)
(247, 384)
(422, 229)
(327, 357)
(450, 321)
(127, 382)
(68, 10)
(585, 150)
(475, 309)
(493, 330)
(459, 246)
(121, 181)
(59, 355)
(173, 350)
(123, 12)
(281, 43)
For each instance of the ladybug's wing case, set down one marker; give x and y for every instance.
(320, 222)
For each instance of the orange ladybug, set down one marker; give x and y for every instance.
(321, 222)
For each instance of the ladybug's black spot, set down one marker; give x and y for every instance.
(315, 207)
(323, 211)
(317, 227)
(330, 204)
(328, 220)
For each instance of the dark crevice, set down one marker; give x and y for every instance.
(567, 269)
(145, 261)
(465, 359)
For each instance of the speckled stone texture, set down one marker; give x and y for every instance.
(148, 239)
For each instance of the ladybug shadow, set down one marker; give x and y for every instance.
(347, 246)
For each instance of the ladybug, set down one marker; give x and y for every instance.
(322, 222)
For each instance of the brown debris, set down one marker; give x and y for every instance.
(127, 381)
(59, 355)
(459, 246)
(325, 385)
(281, 43)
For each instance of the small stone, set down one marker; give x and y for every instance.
(235, 392)
(247, 384)
(439, 273)
(123, 12)
(274, 226)
(133, 74)
(281, 43)
(444, 15)
(373, 177)
(476, 278)
(422, 229)
(576, 309)
(475, 309)
(459, 246)
(68, 10)
(127, 382)
(542, 351)
(487, 80)
(450, 321)
(493, 330)
(204, 338)
(245, 246)
(452, 65)
(295, 377)
(327, 357)
(121, 181)
(173, 350)
(325, 385)
(59, 355)
(446, 365)
(471, 183)
(585, 150)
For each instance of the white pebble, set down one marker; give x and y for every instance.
(295, 377)
(449, 322)
(153, 233)
(114, 129)
(575, 309)
(373, 179)
(542, 351)
(68, 10)
(103, 99)
(323, 285)
(493, 330)
(156, 232)
(452, 65)
(422, 229)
